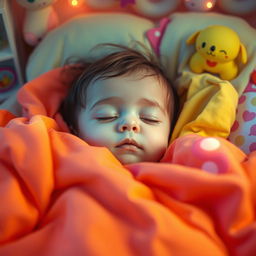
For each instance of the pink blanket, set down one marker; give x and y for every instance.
(60, 196)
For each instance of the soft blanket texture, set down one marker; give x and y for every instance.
(61, 196)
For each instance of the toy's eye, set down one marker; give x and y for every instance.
(31, 1)
(213, 48)
(223, 52)
(203, 44)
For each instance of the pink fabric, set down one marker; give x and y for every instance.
(155, 35)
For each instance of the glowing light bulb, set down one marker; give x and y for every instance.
(209, 5)
(75, 3)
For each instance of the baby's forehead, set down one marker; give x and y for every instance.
(142, 89)
(134, 75)
(120, 82)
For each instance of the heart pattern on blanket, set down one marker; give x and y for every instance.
(242, 99)
(253, 130)
(248, 116)
(253, 77)
(235, 126)
(253, 147)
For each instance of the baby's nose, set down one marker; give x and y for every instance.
(129, 125)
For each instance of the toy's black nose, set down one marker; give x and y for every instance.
(212, 48)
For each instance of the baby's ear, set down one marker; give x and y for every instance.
(192, 38)
(242, 56)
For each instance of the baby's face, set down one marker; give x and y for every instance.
(129, 116)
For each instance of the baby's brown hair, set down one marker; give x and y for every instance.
(123, 61)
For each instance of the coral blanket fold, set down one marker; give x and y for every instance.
(61, 196)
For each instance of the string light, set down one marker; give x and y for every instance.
(209, 5)
(75, 3)
(200, 5)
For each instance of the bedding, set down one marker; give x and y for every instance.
(64, 197)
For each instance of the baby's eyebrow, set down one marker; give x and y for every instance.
(151, 103)
(112, 100)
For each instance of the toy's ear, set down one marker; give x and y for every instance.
(242, 54)
(192, 38)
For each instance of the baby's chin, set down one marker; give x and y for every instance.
(129, 159)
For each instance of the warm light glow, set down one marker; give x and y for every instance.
(75, 3)
(209, 5)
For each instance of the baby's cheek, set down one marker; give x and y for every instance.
(160, 135)
(159, 139)
(157, 143)
(96, 136)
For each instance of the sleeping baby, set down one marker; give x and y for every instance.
(123, 102)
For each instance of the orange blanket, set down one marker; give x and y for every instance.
(60, 196)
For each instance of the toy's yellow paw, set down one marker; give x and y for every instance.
(196, 69)
(195, 65)
(229, 74)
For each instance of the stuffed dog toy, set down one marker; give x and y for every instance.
(40, 18)
(218, 51)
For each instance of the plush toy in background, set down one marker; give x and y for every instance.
(40, 18)
(218, 51)
(155, 8)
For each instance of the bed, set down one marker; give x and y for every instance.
(62, 196)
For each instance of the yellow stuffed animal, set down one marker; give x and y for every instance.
(218, 51)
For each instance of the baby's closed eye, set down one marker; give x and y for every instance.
(150, 119)
(105, 114)
(108, 118)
